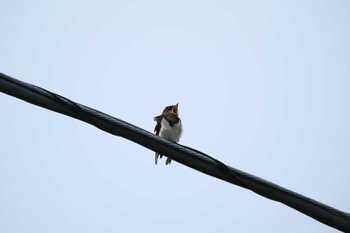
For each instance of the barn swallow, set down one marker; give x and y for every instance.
(168, 127)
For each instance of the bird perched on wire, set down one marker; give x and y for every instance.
(168, 127)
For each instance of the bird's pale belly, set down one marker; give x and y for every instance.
(171, 133)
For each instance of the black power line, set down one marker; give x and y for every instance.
(182, 154)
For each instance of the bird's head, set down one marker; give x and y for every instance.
(172, 110)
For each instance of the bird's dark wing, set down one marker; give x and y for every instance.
(158, 119)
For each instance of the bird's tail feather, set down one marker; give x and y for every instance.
(156, 158)
(168, 161)
(157, 155)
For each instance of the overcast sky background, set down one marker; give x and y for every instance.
(263, 86)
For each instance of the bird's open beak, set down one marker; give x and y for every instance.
(176, 108)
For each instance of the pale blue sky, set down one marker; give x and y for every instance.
(263, 86)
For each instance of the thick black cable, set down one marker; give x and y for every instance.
(182, 154)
